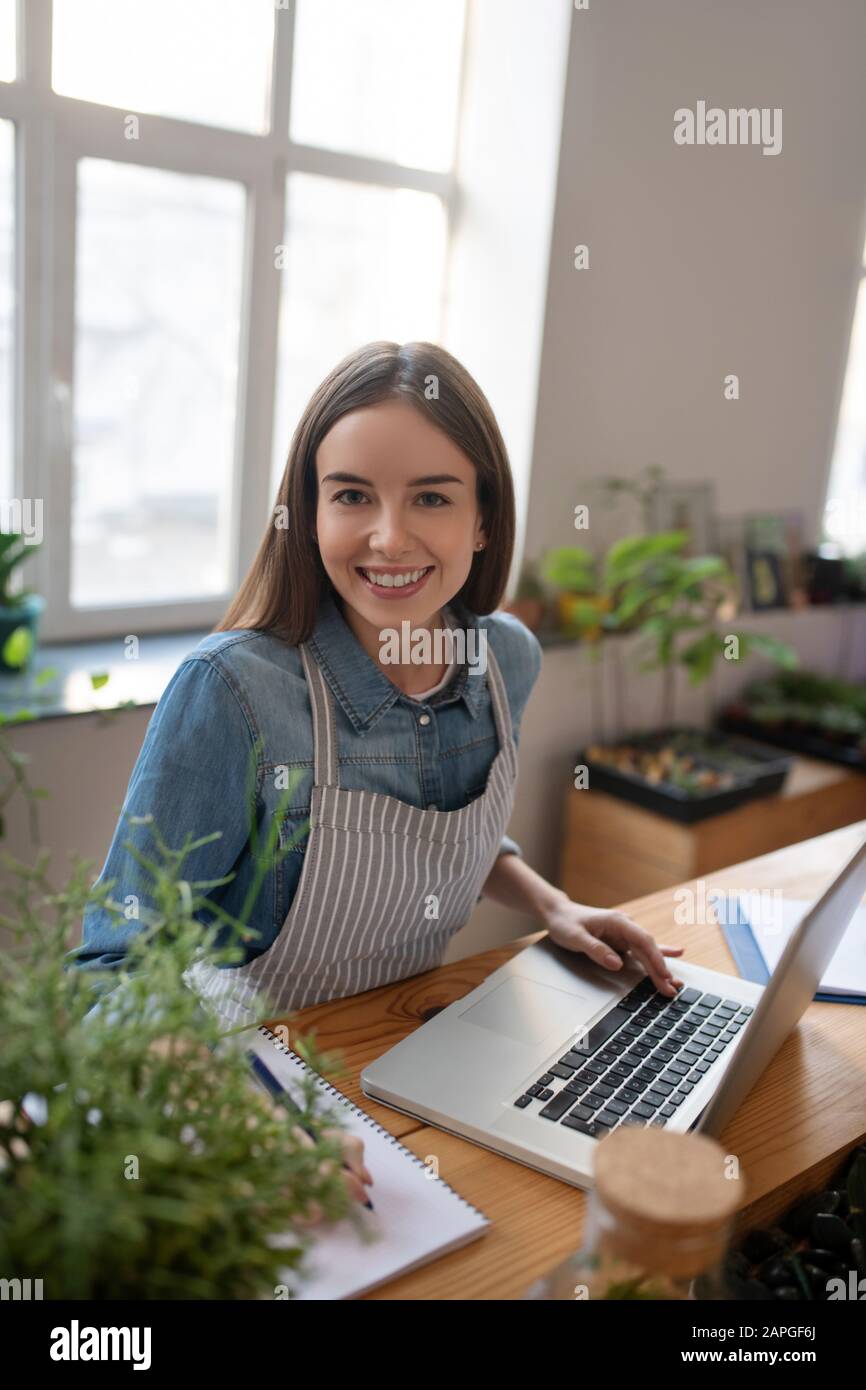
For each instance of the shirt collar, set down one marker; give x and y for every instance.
(361, 686)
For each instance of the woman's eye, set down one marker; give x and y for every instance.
(348, 492)
(437, 498)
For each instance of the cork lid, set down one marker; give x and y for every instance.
(672, 1193)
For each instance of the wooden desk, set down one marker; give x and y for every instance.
(805, 1114)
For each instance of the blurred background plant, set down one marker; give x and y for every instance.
(20, 609)
(647, 586)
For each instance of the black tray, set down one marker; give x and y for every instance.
(770, 770)
(798, 740)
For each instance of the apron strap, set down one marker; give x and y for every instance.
(325, 763)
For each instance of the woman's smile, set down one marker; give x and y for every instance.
(394, 581)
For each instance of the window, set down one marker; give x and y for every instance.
(7, 302)
(238, 193)
(845, 515)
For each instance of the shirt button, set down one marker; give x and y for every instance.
(431, 805)
(424, 719)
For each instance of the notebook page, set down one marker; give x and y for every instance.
(417, 1217)
(846, 971)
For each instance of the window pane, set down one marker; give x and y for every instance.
(361, 263)
(845, 519)
(203, 60)
(8, 37)
(7, 303)
(158, 296)
(379, 80)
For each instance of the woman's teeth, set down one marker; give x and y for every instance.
(394, 581)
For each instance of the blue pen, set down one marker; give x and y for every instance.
(278, 1093)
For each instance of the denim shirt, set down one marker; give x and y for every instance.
(244, 690)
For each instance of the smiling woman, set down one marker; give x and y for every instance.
(391, 784)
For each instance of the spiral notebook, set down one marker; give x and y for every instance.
(417, 1216)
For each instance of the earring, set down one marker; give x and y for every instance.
(480, 545)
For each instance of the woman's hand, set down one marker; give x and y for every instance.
(358, 1174)
(610, 938)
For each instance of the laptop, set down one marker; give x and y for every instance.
(552, 1052)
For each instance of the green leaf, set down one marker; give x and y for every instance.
(98, 679)
(772, 647)
(570, 568)
(18, 646)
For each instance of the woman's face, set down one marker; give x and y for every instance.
(396, 498)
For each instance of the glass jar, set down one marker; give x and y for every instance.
(657, 1224)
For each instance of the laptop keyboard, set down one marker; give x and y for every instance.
(638, 1063)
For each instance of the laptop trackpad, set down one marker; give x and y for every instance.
(528, 1011)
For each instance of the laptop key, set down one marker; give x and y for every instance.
(609, 1118)
(545, 1094)
(523, 1101)
(679, 1068)
(659, 1120)
(534, 1090)
(583, 1126)
(556, 1108)
(601, 1031)
(628, 1095)
(689, 996)
(664, 1087)
(572, 1059)
(546, 1079)
(583, 1112)
(676, 1099)
(603, 1090)
(617, 1106)
(564, 1073)
(576, 1087)
(595, 1101)
(646, 1111)
(712, 1000)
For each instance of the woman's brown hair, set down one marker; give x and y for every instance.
(283, 586)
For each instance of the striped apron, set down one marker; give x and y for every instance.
(383, 887)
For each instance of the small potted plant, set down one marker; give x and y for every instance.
(816, 715)
(571, 570)
(21, 611)
(645, 585)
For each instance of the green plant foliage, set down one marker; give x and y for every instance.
(156, 1168)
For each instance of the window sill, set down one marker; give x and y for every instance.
(130, 685)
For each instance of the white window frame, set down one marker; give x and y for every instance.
(53, 132)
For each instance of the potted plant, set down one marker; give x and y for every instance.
(645, 585)
(572, 572)
(137, 1161)
(21, 611)
(817, 715)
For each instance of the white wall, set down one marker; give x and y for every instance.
(703, 260)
